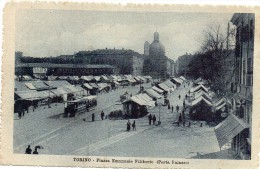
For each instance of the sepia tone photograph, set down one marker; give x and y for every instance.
(125, 88)
(133, 84)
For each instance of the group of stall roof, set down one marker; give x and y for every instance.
(31, 89)
(203, 103)
(149, 96)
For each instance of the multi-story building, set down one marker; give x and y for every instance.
(46, 69)
(237, 128)
(127, 61)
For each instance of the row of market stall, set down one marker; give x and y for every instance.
(35, 93)
(204, 104)
(138, 105)
(126, 79)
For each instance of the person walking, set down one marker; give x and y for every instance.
(28, 150)
(133, 125)
(102, 115)
(172, 108)
(177, 108)
(179, 96)
(154, 119)
(169, 106)
(150, 119)
(128, 126)
(93, 117)
(186, 96)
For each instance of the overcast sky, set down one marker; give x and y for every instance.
(44, 33)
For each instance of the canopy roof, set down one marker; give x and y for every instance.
(87, 78)
(177, 80)
(143, 100)
(88, 86)
(202, 93)
(94, 85)
(34, 95)
(157, 89)
(153, 93)
(182, 78)
(229, 128)
(199, 87)
(57, 83)
(200, 99)
(170, 84)
(104, 77)
(164, 87)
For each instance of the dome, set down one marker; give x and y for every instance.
(156, 48)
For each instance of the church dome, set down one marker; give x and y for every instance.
(156, 48)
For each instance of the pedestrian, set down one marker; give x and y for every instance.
(186, 96)
(169, 106)
(200, 124)
(172, 108)
(177, 108)
(128, 125)
(189, 124)
(180, 118)
(150, 119)
(154, 119)
(93, 117)
(28, 150)
(19, 114)
(189, 92)
(183, 123)
(184, 103)
(133, 125)
(35, 150)
(179, 96)
(102, 115)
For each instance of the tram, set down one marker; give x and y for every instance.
(80, 105)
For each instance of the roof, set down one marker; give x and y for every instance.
(198, 100)
(229, 128)
(88, 86)
(182, 78)
(53, 65)
(87, 78)
(164, 87)
(57, 83)
(157, 89)
(94, 85)
(34, 95)
(143, 100)
(170, 84)
(153, 93)
(177, 80)
(199, 87)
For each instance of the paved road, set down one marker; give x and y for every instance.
(109, 137)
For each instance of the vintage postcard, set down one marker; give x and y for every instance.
(133, 86)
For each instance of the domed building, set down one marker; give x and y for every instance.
(156, 48)
(156, 64)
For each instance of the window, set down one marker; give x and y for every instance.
(244, 72)
(249, 79)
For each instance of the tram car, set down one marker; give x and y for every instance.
(80, 105)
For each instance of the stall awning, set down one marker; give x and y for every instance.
(157, 89)
(88, 86)
(164, 87)
(153, 93)
(229, 128)
(199, 87)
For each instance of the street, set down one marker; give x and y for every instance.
(73, 136)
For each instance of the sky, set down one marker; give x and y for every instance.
(45, 33)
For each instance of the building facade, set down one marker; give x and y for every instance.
(156, 63)
(243, 87)
(127, 61)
